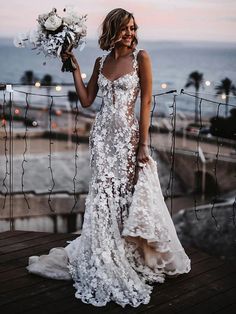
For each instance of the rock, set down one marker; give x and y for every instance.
(209, 229)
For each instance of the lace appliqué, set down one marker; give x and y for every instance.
(128, 239)
(106, 266)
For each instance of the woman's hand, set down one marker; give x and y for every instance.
(66, 55)
(143, 153)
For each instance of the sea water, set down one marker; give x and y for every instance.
(172, 62)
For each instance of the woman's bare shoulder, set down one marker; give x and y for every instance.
(143, 55)
(97, 64)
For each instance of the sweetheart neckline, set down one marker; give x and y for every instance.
(112, 81)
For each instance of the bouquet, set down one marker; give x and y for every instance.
(56, 34)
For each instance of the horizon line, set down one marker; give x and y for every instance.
(156, 40)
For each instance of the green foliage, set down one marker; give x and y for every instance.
(224, 127)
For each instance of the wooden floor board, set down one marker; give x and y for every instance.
(44, 245)
(214, 303)
(210, 285)
(25, 237)
(10, 234)
(228, 309)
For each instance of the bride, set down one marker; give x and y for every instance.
(128, 240)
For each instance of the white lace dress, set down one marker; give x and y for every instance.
(128, 240)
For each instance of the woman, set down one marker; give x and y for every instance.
(128, 237)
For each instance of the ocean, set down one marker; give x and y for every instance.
(172, 62)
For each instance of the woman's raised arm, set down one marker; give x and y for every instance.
(88, 93)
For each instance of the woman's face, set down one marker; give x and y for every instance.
(127, 33)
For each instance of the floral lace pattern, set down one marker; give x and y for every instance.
(104, 264)
(128, 240)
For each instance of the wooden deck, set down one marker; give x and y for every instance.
(210, 287)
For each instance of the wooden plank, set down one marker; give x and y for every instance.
(47, 302)
(38, 294)
(166, 298)
(214, 303)
(39, 246)
(22, 261)
(140, 308)
(198, 269)
(183, 300)
(9, 234)
(229, 309)
(190, 250)
(28, 244)
(43, 286)
(22, 238)
(14, 272)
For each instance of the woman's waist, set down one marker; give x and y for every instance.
(117, 117)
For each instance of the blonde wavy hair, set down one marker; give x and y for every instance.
(111, 27)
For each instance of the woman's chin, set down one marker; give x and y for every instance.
(127, 43)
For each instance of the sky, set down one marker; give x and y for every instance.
(191, 20)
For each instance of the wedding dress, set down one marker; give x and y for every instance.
(128, 240)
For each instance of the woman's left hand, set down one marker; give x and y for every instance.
(143, 153)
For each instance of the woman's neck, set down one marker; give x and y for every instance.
(119, 52)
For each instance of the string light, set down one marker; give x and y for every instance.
(35, 123)
(37, 84)
(58, 88)
(58, 112)
(164, 85)
(170, 184)
(83, 75)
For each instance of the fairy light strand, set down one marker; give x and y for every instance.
(75, 156)
(11, 153)
(5, 137)
(151, 119)
(197, 160)
(170, 184)
(24, 153)
(215, 174)
(50, 156)
(205, 99)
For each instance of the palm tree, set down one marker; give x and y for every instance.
(28, 78)
(226, 87)
(195, 79)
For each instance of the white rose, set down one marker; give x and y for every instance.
(78, 29)
(68, 20)
(53, 23)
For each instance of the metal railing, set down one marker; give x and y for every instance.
(8, 104)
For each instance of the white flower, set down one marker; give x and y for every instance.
(53, 23)
(106, 257)
(42, 39)
(33, 37)
(78, 29)
(19, 40)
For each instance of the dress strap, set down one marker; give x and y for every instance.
(103, 57)
(135, 60)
